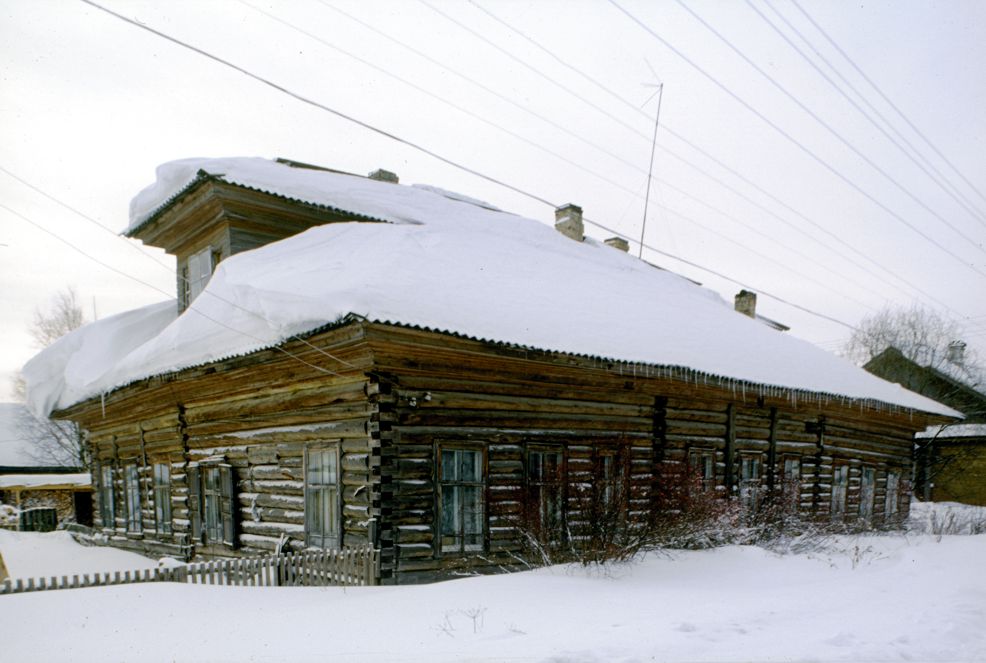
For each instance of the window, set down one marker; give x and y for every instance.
(545, 496)
(867, 491)
(162, 497)
(200, 266)
(749, 488)
(322, 513)
(212, 499)
(702, 466)
(892, 503)
(131, 484)
(840, 487)
(106, 510)
(463, 500)
(792, 472)
(610, 480)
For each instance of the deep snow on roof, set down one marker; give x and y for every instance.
(953, 430)
(74, 480)
(443, 262)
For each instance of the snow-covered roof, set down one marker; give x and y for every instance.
(953, 430)
(39, 481)
(443, 262)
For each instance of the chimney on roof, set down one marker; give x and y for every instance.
(382, 175)
(568, 221)
(956, 352)
(746, 303)
(618, 243)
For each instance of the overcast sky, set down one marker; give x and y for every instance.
(784, 186)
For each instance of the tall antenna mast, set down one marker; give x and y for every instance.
(650, 169)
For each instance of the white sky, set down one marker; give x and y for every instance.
(89, 106)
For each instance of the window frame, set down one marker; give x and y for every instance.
(839, 492)
(706, 457)
(891, 499)
(132, 498)
(787, 476)
(163, 521)
(867, 492)
(326, 539)
(750, 489)
(538, 487)
(199, 268)
(107, 506)
(444, 486)
(196, 479)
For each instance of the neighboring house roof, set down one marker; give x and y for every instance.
(76, 481)
(953, 430)
(442, 262)
(948, 383)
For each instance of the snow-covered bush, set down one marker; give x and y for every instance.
(946, 518)
(8, 516)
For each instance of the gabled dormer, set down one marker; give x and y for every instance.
(212, 219)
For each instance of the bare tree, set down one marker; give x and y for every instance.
(921, 335)
(62, 316)
(53, 442)
(948, 372)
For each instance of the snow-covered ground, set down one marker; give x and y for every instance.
(947, 518)
(33, 555)
(874, 598)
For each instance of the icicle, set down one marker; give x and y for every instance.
(102, 403)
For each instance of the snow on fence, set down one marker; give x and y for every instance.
(346, 567)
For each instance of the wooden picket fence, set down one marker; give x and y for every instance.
(346, 567)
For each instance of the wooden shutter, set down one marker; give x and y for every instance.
(228, 504)
(194, 502)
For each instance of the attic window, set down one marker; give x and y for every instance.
(200, 267)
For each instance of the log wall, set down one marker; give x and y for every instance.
(396, 396)
(256, 414)
(442, 391)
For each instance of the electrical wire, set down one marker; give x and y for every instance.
(679, 136)
(862, 112)
(631, 192)
(266, 343)
(887, 99)
(939, 177)
(805, 149)
(429, 152)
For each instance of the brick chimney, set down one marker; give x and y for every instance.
(956, 352)
(568, 221)
(746, 303)
(382, 175)
(618, 243)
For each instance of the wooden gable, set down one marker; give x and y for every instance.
(224, 219)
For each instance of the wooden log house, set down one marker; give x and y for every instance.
(428, 442)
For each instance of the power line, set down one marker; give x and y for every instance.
(587, 170)
(887, 99)
(311, 102)
(75, 248)
(84, 216)
(451, 104)
(727, 278)
(824, 124)
(941, 179)
(181, 278)
(669, 129)
(526, 109)
(429, 152)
